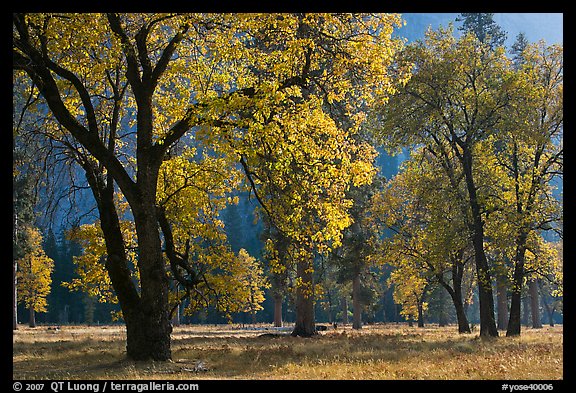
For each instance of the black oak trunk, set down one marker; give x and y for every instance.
(457, 299)
(305, 324)
(154, 311)
(146, 313)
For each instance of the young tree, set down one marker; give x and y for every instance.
(255, 282)
(34, 276)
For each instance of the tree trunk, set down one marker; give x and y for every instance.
(485, 297)
(463, 325)
(32, 321)
(420, 313)
(278, 311)
(517, 278)
(525, 310)
(345, 310)
(455, 293)
(146, 314)
(534, 304)
(356, 304)
(502, 302)
(549, 311)
(156, 328)
(305, 324)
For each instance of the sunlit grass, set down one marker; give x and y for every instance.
(376, 352)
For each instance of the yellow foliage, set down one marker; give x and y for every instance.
(34, 274)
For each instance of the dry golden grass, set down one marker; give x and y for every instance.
(376, 352)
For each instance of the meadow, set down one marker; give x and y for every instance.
(381, 351)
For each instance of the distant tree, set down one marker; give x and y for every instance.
(23, 217)
(34, 276)
(551, 284)
(253, 281)
(359, 250)
(484, 27)
(518, 48)
(276, 253)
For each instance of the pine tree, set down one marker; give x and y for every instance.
(518, 48)
(23, 216)
(484, 27)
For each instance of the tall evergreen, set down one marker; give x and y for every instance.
(517, 49)
(483, 25)
(23, 203)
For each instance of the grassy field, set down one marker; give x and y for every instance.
(388, 351)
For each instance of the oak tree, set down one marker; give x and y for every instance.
(123, 91)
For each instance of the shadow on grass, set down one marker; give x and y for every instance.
(249, 356)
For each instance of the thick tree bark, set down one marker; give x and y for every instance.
(457, 299)
(152, 268)
(305, 324)
(147, 327)
(356, 304)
